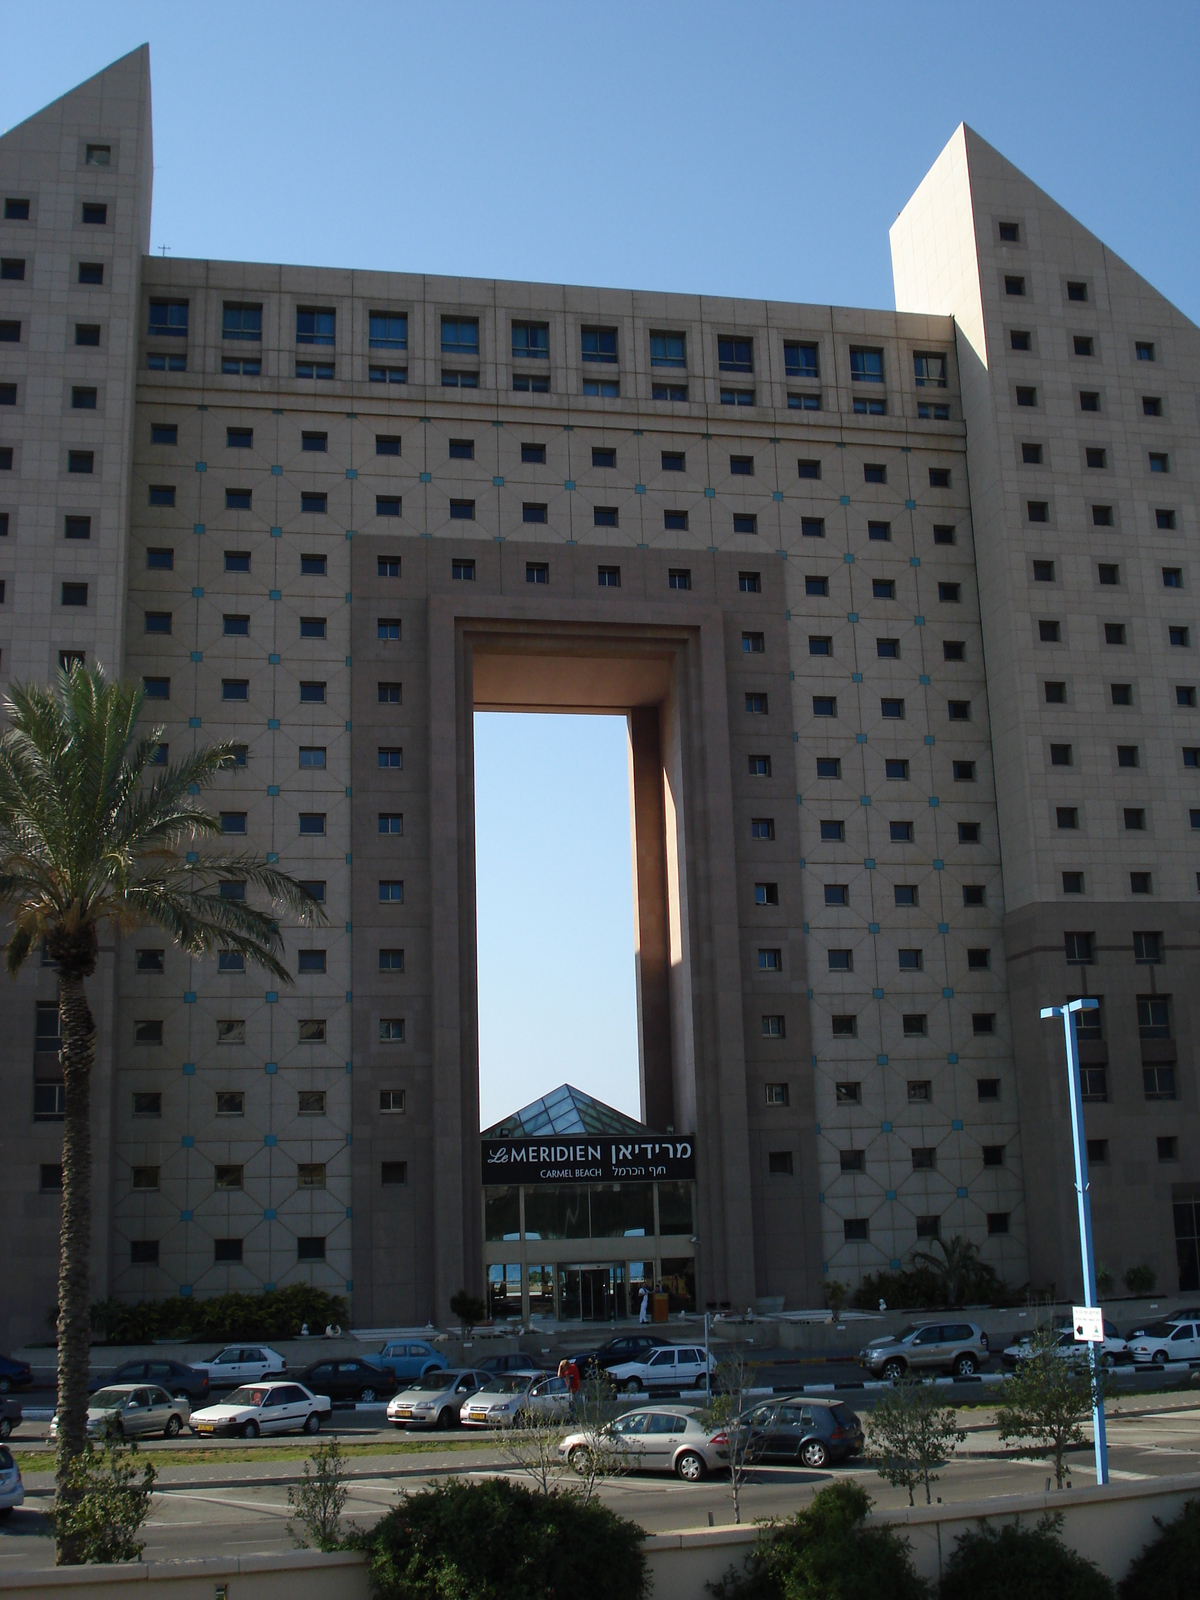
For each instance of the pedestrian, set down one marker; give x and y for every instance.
(572, 1375)
(644, 1305)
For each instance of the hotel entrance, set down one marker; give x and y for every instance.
(588, 1293)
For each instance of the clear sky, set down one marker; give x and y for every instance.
(749, 150)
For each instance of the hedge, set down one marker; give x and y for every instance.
(1168, 1569)
(1016, 1563)
(277, 1314)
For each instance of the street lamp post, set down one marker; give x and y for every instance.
(1069, 1013)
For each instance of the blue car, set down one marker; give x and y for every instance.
(14, 1375)
(411, 1358)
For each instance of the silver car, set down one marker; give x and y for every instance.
(129, 1411)
(509, 1397)
(658, 1440)
(435, 1400)
(12, 1490)
(957, 1347)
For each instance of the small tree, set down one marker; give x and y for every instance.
(960, 1275)
(911, 1434)
(319, 1499)
(596, 1455)
(1046, 1402)
(835, 1296)
(530, 1448)
(746, 1427)
(1140, 1280)
(468, 1309)
(1105, 1282)
(101, 1505)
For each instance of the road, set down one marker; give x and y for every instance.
(234, 1499)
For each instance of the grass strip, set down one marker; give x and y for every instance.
(43, 1460)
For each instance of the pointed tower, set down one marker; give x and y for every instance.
(1079, 386)
(75, 184)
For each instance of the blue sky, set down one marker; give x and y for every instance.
(753, 150)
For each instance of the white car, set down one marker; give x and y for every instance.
(239, 1363)
(12, 1490)
(509, 1396)
(1160, 1342)
(1069, 1348)
(265, 1408)
(673, 1367)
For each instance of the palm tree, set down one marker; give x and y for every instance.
(961, 1275)
(85, 839)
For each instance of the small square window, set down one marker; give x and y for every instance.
(874, 472)
(968, 833)
(537, 572)
(848, 1094)
(1026, 396)
(751, 583)
(1144, 350)
(779, 1163)
(1014, 285)
(1031, 455)
(387, 444)
(939, 477)
(677, 521)
(841, 960)
(1102, 517)
(1084, 346)
(1159, 462)
(949, 593)
(829, 767)
(1020, 340)
(883, 588)
(896, 770)
(679, 578)
(608, 577)
(812, 527)
(776, 1094)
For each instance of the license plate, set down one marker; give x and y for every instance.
(204, 1427)
(477, 1416)
(404, 1411)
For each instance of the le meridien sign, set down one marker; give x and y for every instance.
(587, 1160)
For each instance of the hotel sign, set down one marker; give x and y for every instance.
(584, 1159)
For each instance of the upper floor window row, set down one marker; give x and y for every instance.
(168, 318)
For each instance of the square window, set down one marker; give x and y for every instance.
(840, 960)
(848, 1094)
(887, 649)
(390, 694)
(311, 823)
(779, 1163)
(596, 344)
(845, 1027)
(1102, 517)
(852, 1160)
(1014, 285)
(968, 833)
(833, 830)
(1037, 510)
(391, 960)
(879, 531)
(1084, 346)
(829, 767)
(241, 322)
(1140, 883)
(387, 444)
(537, 572)
(531, 512)
(88, 333)
(462, 570)
(312, 627)
(866, 364)
(74, 594)
(939, 477)
(1043, 572)
(1144, 350)
(1020, 340)
(902, 833)
(237, 499)
(822, 706)
(762, 827)
(391, 1030)
(817, 586)
(1180, 638)
(1089, 400)
(1185, 694)
(1114, 633)
(751, 583)
(766, 894)
(310, 566)
(388, 628)
(836, 894)
(314, 504)
(1159, 462)
(168, 319)
(1026, 396)
(812, 527)
(820, 645)
(1097, 458)
(776, 1094)
(1109, 574)
(315, 326)
(949, 593)
(393, 1173)
(608, 577)
(874, 472)
(679, 578)
(914, 1023)
(892, 710)
(911, 960)
(677, 521)
(668, 350)
(896, 770)
(883, 588)
(954, 650)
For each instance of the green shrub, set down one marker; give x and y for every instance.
(1140, 1280)
(912, 1289)
(1168, 1569)
(495, 1540)
(825, 1553)
(101, 1504)
(277, 1314)
(1017, 1563)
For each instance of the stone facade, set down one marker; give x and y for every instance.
(755, 528)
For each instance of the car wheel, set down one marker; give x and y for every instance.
(313, 1422)
(632, 1386)
(6, 1511)
(814, 1454)
(398, 1425)
(690, 1467)
(577, 1460)
(701, 1381)
(174, 1427)
(893, 1369)
(5, 1427)
(445, 1418)
(367, 1397)
(965, 1367)
(1159, 1358)
(249, 1430)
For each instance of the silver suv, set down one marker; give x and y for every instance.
(957, 1347)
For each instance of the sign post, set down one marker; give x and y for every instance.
(1088, 1318)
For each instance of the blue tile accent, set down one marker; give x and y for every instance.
(274, 658)
(349, 927)
(427, 477)
(806, 930)
(271, 997)
(202, 466)
(872, 927)
(816, 1127)
(952, 1058)
(349, 1138)
(349, 1211)
(187, 1141)
(864, 799)
(193, 788)
(272, 857)
(352, 472)
(938, 864)
(782, 554)
(881, 1061)
(943, 927)
(272, 788)
(271, 1067)
(962, 1194)
(947, 994)
(876, 994)
(910, 505)
(895, 1262)
(347, 858)
(352, 416)
(350, 597)
(788, 615)
(852, 616)
(885, 1127)
(269, 1214)
(637, 432)
(269, 1287)
(869, 863)
(197, 592)
(777, 495)
(275, 594)
(189, 997)
(848, 558)
(918, 622)
(500, 425)
(197, 527)
(347, 791)
(710, 494)
(349, 1285)
(193, 722)
(189, 1069)
(350, 532)
(957, 1125)
(856, 677)
(639, 488)
(192, 857)
(906, 449)
(933, 799)
(791, 678)
(810, 993)
(197, 655)
(349, 1066)
(273, 723)
(497, 483)
(185, 1289)
(860, 738)
(914, 561)
(814, 1059)
(844, 500)
(270, 1140)
(924, 678)
(277, 533)
(347, 724)
(929, 739)
(277, 472)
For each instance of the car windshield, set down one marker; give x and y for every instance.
(909, 1328)
(247, 1396)
(6, 1458)
(1157, 1330)
(433, 1382)
(105, 1399)
(510, 1383)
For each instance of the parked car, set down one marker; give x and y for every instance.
(1166, 1341)
(505, 1399)
(265, 1408)
(173, 1376)
(14, 1375)
(669, 1367)
(10, 1416)
(1068, 1347)
(131, 1410)
(805, 1431)
(509, 1363)
(411, 1358)
(1185, 1314)
(629, 1347)
(436, 1400)
(654, 1441)
(957, 1347)
(349, 1379)
(12, 1490)
(239, 1363)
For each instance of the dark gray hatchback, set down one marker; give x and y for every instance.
(804, 1430)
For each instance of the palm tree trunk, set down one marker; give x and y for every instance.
(74, 1330)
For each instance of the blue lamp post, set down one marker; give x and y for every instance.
(1068, 1013)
